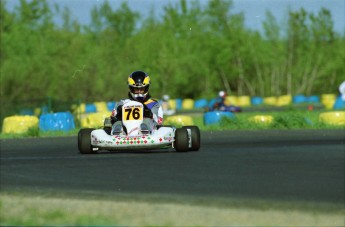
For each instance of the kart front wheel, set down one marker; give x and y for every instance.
(84, 141)
(195, 137)
(181, 140)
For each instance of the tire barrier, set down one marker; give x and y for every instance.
(78, 109)
(187, 104)
(214, 117)
(298, 99)
(172, 103)
(180, 120)
(19, 124)
(101, 106)
(90, 108)
(200, 104)
(333, 118)
(257, 100)
(61, 121)
(339, 104)
(111, 106)
(231, 100)
(93, 120)
(284, 100)
(313, 99)
(243, 101)
(328, 100)
(272, 100)
(261, 119)
(178, 104)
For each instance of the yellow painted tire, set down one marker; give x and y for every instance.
(262, 119)
(179, 120)
(243, 101)
(19, 124)
(94, 120)
(272, 100)
(333, 118)
(187, 104)
(101, 107)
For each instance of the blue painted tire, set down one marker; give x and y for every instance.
(299, 99)
(256, 100)
(214, 117)
(200, 103)
(313, 99)
(61, 121)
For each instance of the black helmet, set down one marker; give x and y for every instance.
(139, 84)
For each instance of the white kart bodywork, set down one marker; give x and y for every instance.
(181, 139)
(163, 137)
(132, 118)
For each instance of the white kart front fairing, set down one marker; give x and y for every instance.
(132, 117)
(163, 137)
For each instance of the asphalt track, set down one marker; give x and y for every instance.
(275, 165)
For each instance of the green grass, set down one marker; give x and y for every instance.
(43, 210)
(35, 132)
(281, 120)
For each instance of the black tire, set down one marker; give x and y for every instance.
(195, 133)
(84, 141)
(181, 140)
(169, 126)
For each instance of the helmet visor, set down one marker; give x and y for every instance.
(139, 90)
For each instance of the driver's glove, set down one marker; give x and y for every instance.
(119, 113)
(147, 112)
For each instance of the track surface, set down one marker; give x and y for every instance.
(275, 165)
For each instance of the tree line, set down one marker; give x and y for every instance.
(190, 51)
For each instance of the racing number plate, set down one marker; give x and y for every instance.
(132, 113)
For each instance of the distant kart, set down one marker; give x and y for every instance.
(230, 109)
(183, 139)
(225, 108)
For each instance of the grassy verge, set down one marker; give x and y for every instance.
(293, 119)
(281, 120)
(38, 210)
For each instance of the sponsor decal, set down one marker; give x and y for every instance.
(168, 138)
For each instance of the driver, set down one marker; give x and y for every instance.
(139, 84)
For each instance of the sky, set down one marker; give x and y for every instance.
(254, 10)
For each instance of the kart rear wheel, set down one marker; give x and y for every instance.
(84, 141)
(181, 140)
(195, 134)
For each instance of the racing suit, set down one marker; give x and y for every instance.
(153, 112)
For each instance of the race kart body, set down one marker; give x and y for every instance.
(132, 138)
(229, 108)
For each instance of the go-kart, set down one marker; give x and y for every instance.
(90, 140)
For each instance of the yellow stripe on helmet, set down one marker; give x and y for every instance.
(131, 81)
(146, 80)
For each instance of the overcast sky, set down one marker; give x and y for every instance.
(254, 10)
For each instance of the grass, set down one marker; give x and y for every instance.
(293, 119)
(43, 210)
(35, 132)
